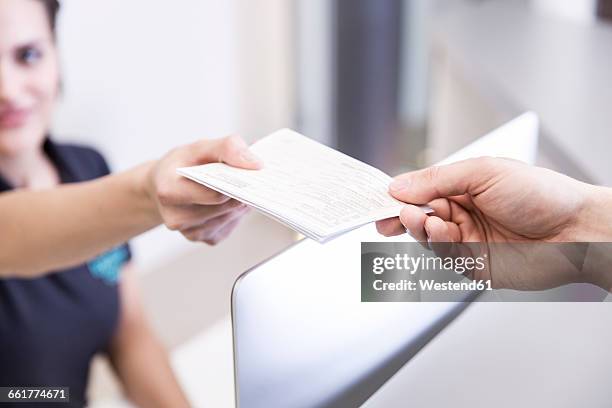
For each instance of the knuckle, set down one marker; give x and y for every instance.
(231, 145)
(432, 173)
(174, 152)
(232, 140)
(486, 162)
(488, 165)
(164, 195)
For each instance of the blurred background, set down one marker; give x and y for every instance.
(399, 84)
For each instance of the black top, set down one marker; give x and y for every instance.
(51, 327)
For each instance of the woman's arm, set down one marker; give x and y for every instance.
(41, 231)
(46, 230)
(138, 357)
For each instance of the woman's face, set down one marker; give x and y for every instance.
(29, 76)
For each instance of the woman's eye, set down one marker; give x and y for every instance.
(29, 55)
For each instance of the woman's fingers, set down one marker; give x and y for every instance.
(177, 198)
(208, 230)
(190, 216)
(224, 232)
(232, 150)
(184, 192)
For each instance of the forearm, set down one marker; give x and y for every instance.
(596, 228)
(143, 367)
(47, 230)
(595, 218)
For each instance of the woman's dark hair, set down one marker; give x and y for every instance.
(52, 8)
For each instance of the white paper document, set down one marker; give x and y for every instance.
(308, 186)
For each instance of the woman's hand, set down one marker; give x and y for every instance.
(199, 213)
(52, 229)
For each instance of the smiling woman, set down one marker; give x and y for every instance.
(66, 293)
(51, 326)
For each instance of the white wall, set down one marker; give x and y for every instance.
(582, 11)
(266, 56)
(145, 75)
(315, 69)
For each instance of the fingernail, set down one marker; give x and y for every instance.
(248, 156)
(399, 184)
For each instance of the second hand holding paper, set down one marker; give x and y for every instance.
(314, 189)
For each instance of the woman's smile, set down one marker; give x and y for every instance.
(12, 117)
